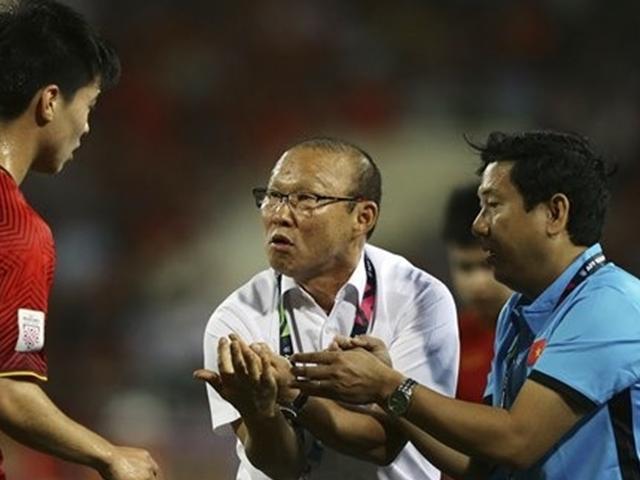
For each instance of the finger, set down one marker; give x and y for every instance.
(249, 357)
(307, 372)
(343, 342)
(316, 388)
(225, 365)
(261, 349)
(262, 346)
(237, 358)
(315, 357)
(234, 337)
(207, 376)
(211, 378)
(268, 372)
(368, 342)
(244, 347)
(154, 466)
(254, 365)
(333, 346)
(258, 347)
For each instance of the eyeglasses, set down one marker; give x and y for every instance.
(303, 202)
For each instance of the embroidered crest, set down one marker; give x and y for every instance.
(30, 330)
(536, 350)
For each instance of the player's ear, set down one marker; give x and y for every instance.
(48, 101)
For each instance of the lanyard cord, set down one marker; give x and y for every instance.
(363, 317)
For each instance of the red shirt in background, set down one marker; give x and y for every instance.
(476, 353)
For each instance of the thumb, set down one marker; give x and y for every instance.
(208, 376)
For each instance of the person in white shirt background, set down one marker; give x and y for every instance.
(325, 281)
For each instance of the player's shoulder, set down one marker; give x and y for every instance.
(11, 199)
(401, 275)
(19, 223)
(255, 298)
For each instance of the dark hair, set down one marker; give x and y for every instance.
(459, 214)
(548, 162)
(43, 42)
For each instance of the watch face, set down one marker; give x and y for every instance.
(398, 403)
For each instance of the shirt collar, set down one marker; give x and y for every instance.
(537, 312)
(357, 280)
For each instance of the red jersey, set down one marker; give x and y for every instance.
(27, 261)
(476, 353)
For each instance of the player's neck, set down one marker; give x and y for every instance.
(325, 286)
(16, 151)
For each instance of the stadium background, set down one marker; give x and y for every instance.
(154, 220)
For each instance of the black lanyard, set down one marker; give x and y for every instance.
(363, 317)
(588, 268)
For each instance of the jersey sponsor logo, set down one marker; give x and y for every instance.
(535, 351)
(31, 330)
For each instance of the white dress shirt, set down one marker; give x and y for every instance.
(414, 315)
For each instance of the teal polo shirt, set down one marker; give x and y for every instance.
(588, 349)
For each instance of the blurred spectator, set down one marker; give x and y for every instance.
(479, 295)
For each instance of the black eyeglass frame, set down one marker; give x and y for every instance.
(261, 193)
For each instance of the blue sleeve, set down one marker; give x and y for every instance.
(490, 396)
(595, 350)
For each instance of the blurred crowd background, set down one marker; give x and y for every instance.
(154, 220)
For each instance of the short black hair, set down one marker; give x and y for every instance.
(368, 183)
(460, 212)
(549, 162)
(43, 42)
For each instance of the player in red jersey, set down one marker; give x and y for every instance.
(53, 66)
(478, 293)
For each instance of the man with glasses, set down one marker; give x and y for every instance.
(325, 285)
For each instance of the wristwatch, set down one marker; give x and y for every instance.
(292, 410)
(398, 402)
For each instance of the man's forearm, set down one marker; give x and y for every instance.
(369, 435)
(473, 429)
(446, 459)
(31, 418)
(272, 446)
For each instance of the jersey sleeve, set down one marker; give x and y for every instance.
(426, 346)
(595, 350)
(24, 291)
